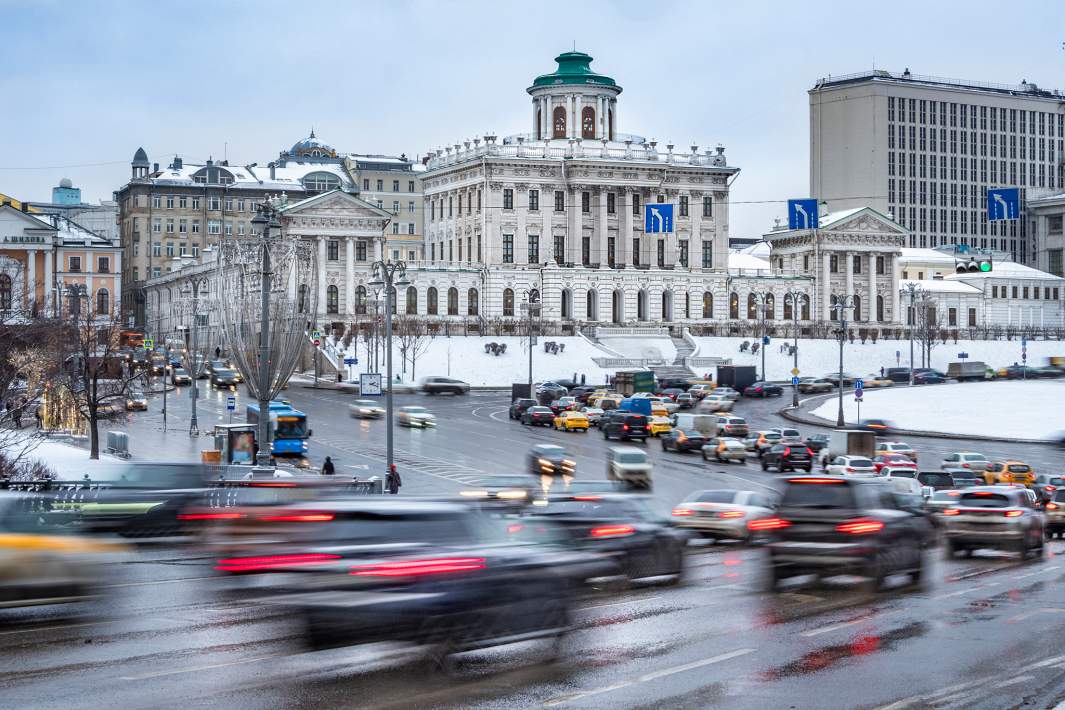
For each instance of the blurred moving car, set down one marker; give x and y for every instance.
(509, 492)
(880, 427)
(965, 478)
(928, 378)
(538, 416)
(874, 381)
(940, 501)
(629, 465)
(571, 421)
(700, 391)
(763, 389)
(892, 471)
(518, 407)
(1009, 472)
(594, 414)
(831, 525)
(415, 417)
(671, 392)
(724, 449)
(550, 387)
(625, 426)
(659, 425)
(550, 460)
(895, 447)
(893, 460)
(723, 513)
(1054, 509)
(816, 442)
(715, 403)
(444, 385)
(965, 459)
(937, 480)
(834, 377)
(814, 385)
(683, 440)
(1045, 485)
(685, 400)
(224, 378)
(993, 517)
(136, 400)
(366, 409)
(563, 403)
(850, 466)
(760, 441)
(788, 457)
(141, 499)
(727, 392)
(732, 426)
(788, 435)
(179, 376)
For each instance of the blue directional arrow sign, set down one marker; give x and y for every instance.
(794, 381)
(802, 214)
(1003, 203)
(658, 219)
(858, 387)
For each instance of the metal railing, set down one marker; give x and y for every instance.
(615, 362)
(645, 331)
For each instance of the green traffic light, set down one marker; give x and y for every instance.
(985, 266)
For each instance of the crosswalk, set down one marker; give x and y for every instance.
(407, 461)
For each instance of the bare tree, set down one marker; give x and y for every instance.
(927, 328)
(413, 339)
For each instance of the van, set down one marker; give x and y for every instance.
(968, 370)
(705, 424)
(640, 405)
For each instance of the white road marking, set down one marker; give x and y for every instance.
(578, 696)
(835, 627)
(628, 601)
(51, 628)
(158, 581)
(179, 671)
(1047, 662)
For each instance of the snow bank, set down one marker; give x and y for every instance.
(644, 348)
(1012, 410)
(818, 357)
(67, 460)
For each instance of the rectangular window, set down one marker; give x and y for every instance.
(708, 255)
(183, 201)
(534, 199)
(460, 247)
(241, 228)
(833, 264)
(508, 199)
(170, 248)
(156, 272)
(157, 201)
(560, 201)
(683, 244)
(450, 205)
(195, 226)
(610, 251)
(534, 248)
(332, 250)
(195, 251)
(170, 226)
(366, 184)
(229, 229)
(157, 249)
(972, 317)
(1054, 263)
(635, 251)
(395, 206)
(586, 250)
(1013, 291)
(214, 226)
(75, 263)
(683, 205)
(661, 254)
(395, 186)
(229, 204)
(560, 249)
(183, 226)
(240, 205)
(586, 202)
(708, 206)
(410, 228)
(410, 208)
(611, 207)
(136, 274)
(380, 185)
(196, 203)
(1025, 292)
(395, 228)
(360, 250)
(410, 186)
(103, 264)
(170, 202)
(635, 205)
(952, 316)
(857, 264)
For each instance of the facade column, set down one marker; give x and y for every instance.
(574, 129)
(379, 248)
(600, 117)
(896, 296)
(575, 238)
(349, 277)
(49, 255)
(547, 237)
(826, 284)
(321, 275)
(31, 276)
(848, 271)
(603, 231)
(871, 317)
(624, 242)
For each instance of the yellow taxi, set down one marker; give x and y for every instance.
(659, 424)
(1009, 472)
(571, 421)
(659, 410)
(872, 381)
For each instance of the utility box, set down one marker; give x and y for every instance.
(738, 377)
(520, 391)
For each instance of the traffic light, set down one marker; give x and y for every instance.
(974, 265)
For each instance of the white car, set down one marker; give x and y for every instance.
(715, 403)
(722, 513)
(965, 459)
(896, 447)
(788, 436)
(413, 416)
(851, 466)
(594, 414)
(899, 472)
(366, 409)
(727, 393)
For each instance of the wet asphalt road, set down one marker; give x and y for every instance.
(980, 633)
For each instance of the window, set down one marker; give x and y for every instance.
(410, 208)
(332, 250)
(157, 202)
(395, 186)
(610, 251)
(708, 304)
(661, 253)
(473, 305)
(410, 228)
(560, 248)
(380, 185)
(360, 250)
(103, 264)
(214, 226)
(229, 204)
(5, 292)
(157, 226)
(157, 249)
(156, 272)
(635, 205)
(586, 202)
(952, 316)
(558, 122)
(170, 248)
(635, 251)
(770, 307)
(508, 249)
(683, 244)
(833, 314)
(611, 207)
(170, 202)
(195, 226)
(103, 301)
(734, 306)
(972, 317)
(75, 263)
(586, 250)
(332, 300)
(588, 122)
(395, 228)
(430, 301)
(452, 301)
(560, 201)
(567, 304)
(508, 302)
(215, 203)
(183, 226)
(395, 206)
(708, 255)
(880, 308)
(683, 205)
(833, 263)
(534, 199)
(183, 201)
(534, 248)
(708, 207)
(410, 186)
(412, 296)
(880, 265)
(857, 264)
(196, 203)
(366, 184)
(508, 199)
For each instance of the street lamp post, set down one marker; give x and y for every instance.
(389, 275)
(841, 306)
(761, 297)
(796, 298)
(531, 306)
(915, 291)
(192, 286)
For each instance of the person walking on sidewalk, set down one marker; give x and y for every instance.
(392, 480)
(327, 468)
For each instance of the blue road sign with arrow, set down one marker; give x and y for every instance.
(802, 214)
(658, 218)
(794, 381)
(351, 361)
(1003, 203)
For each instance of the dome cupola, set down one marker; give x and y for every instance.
(573, 101)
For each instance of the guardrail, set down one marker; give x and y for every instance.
(608, 331)
(615, 362)
(694, 363)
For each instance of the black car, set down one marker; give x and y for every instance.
(678, 383)
(788, 457)
(1022, 372)
(832, 525)
(582, 392)
(763, 389)
(621, 526)
(682, 440)
(143, 499)
(223, 377)
(816, 442)
(939, 480)
(538, 416)
(518, 407)
(625, 426)
(928, 378)
(444, 385)
(898, 374)
(550, 460)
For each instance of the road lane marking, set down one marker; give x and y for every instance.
(179, 671)
(1047, 662)
(158, 581)
(52, 628)
(836, 627)
(578, 696)
(628, 601)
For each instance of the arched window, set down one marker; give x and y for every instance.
(320, 181)
(641, 305)
(558, 122)
(752, 307)
(430, 301)
(734, 305)
(708, 304)
(412, 301)
(473, 303)
(332, 300)
(833, 314)
(567, 303)
(534, 295)
(508, 302)
(592, 305)
(667, 305)
(360, 300)
(788, 310)
(103, 302)
(880, 308)
(452, 301)
(393, 298)
(301, 300)
(770, 307)
(588, 122)
(539, 124)
(5, 292)
(857, 312)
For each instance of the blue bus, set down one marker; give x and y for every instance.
(289, 432)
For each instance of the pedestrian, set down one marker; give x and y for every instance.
(881, 372)
(327, 468)
(217, 353)
(392, 480)
(16, 415)
(37, 416)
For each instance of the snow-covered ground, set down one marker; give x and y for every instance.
(1011, 410)
(643, 348)
(67, 460)
(818, 357)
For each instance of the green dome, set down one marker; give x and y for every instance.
(573, 68)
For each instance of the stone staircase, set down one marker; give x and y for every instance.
(678, 368)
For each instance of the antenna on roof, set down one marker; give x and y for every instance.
(574, 45)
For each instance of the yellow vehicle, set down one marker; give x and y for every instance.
(597, 399)
(1009, 472)
(873, 381)
(571, 421)
(659, 425)
(659, 410)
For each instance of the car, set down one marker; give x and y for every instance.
(506, 492)
(136, 400)
(700, 391)
(851, 466)
(550, 460)
(937, 480)
(723, 513)
(180, 376)
(552, 388)
(1045, 485)
(563, 403)
(880, 427)
(538, 416)
(788, 457)
(874, 381)
(763, 389)
(788, 435)
(940, 501)
(594, 414)
(760, 441)
(834, 377)
(1049, 372)
(816, 442)
(224, 378)
(1054, 509)
(895, 447)
(832, 525)
(624, 426)
(965, 459)
(727, 392)
(928, 378)
(1009, 472)
(1018, 372)
(415, 417)
(366, 409)
(571, 421)
(893, 471)
(670, 393)
(110, 409)
(659, 424)
(894, 460)
(663, 406)
(683, 440)
(898, 375)
(518, 407)
(724, 449)
(965, 478)
(583, 392)
(685, 400)
(993, 517)
(715, 403)
(629, 466)
(815, 385)
(444, 385)
(675, 383)
(732, 426)
(622, 526)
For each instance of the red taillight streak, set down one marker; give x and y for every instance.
(209, 516)
(297, 518)
(951, 511)
(1052, 506)
(271, 484)
(258, 564)
(515, 528)
(860, 526)
(605, 531)
(1050, 488)
(588, 499)
(768, 524)
(731, 514)
(809, 451)
(1013, 513)
(624, 427)
(981, 493)
(787, 451)
(419, 568)
(816, 480)
(682, 512)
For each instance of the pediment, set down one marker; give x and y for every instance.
(867, 221)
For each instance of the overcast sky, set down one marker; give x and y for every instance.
(85, 83)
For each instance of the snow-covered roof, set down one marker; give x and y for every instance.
(745, 261)
(288, 178)
(1008, 270)
(940, 286)
(71, 233)
(834, 217)
(925, 256)
(762, 250)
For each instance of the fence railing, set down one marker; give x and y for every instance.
(646, 331)
(695, 363)
(615, 362)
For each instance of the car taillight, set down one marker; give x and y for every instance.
(860, 526)
(1052, 506)
(588, 499)
(1049, 487)
(419, 568)
(965, 465)
(297, 517)
(787, 451)
(731, 514)
(682, 512)
(768, 524)
(850, 469)
(951, 511)
(260, 564)
(1013, 513)
(809, 451)
(210, 516)
(624, 427)
(608, 531)
(817, 480)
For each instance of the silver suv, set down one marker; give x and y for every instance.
(993, 517)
